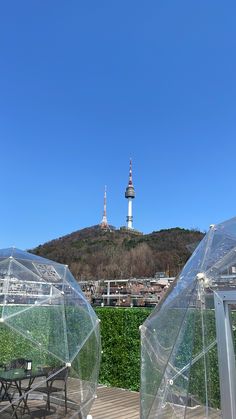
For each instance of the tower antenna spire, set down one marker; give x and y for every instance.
(104, 223)
(130, 173)
(130, 195)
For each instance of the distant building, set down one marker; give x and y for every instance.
(131, 292)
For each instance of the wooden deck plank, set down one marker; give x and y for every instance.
(115, 403)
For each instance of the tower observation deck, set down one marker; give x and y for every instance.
(130, 195)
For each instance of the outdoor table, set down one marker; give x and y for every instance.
(16, 376)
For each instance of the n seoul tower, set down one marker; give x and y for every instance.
(130, 195)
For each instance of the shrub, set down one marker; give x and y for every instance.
(120, 336)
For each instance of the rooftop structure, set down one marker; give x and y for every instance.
(126, 292)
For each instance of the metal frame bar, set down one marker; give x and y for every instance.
(226, 353)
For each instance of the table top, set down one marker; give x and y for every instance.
(21, 374)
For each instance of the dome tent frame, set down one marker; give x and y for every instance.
(45, 317)
(188, 341)
(227, 368)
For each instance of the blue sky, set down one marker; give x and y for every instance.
(84, 85)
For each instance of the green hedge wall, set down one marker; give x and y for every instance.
(120, 365)
(13, 343)
(119, 333)
(120, 336)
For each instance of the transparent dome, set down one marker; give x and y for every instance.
(49, 340)
(189, 340)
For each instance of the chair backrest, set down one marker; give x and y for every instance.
(16, 363)
(61, 375)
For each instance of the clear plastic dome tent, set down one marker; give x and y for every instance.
(189, 340)
(45, 321)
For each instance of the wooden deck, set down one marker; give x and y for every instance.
(111, 403)
(115, 403)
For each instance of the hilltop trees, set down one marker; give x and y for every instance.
(95, 254)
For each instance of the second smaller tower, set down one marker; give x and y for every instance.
(104, 224)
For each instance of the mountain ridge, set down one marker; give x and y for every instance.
(92, 253)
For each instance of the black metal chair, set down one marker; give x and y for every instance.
(15, 364)
(2, 366)
(13, 388)
(55, 375)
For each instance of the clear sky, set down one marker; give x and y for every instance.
(84, 85)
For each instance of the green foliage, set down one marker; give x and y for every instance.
(86, 361)
(120, 365)
(195, 354)
(38, 334)
(14, 342)
(120, 342)
(120, 334)
(205, 337)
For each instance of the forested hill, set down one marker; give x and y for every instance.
(92, 253)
